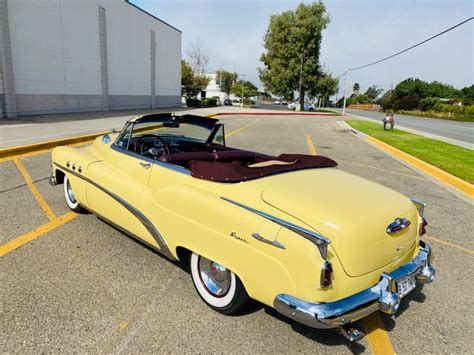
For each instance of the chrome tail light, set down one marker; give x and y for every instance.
(326, 274)
(423, 225)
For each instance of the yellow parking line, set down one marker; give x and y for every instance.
(312, 148)
(241, 128)
(38, 232)
(41, 201)
(469, 251)
(377, 336)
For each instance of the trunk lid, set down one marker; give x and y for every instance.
(352, 212)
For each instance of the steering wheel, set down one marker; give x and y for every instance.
(143, 147)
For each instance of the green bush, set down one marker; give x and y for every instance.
(469, 110)
(249, 102)
(193, 102)
(428, 103)
(359, 99)
(448, 108)
(209, 102)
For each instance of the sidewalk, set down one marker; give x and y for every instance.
(34, 129)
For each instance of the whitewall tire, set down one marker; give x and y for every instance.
(219, 287)
(70, 198)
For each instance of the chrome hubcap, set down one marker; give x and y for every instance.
(214, 277)
(70, 194)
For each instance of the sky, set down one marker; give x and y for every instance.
(360, 32)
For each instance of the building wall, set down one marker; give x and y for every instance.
(57, 63)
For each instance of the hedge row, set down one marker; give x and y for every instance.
(206, 102)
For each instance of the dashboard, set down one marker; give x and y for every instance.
(152, 146)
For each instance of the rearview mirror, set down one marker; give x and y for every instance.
(171, 124)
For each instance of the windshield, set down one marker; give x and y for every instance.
(188, 127)
(184, 130)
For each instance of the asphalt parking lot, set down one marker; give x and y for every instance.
(74, 283)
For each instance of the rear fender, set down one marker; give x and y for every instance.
(205, 224)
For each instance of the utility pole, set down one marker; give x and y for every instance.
(345, 92)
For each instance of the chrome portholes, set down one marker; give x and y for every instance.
(215, 278)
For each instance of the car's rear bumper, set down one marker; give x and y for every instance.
(382, 296)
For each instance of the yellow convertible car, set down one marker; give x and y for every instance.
(321, 246)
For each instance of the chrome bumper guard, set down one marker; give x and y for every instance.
(383, 296)
(52, 180)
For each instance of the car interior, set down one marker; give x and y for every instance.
(216, 162)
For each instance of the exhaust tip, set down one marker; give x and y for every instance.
(351, 334)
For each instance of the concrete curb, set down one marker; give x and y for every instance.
(273, 114)
(440, 175)
(29, 148)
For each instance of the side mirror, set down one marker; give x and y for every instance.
(106, 139)
(219, 139)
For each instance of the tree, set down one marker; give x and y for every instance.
(386, 100)
(193, 72)
(326, 86)
(186, 78)
(292, 43)
(248, 87)
(191, 84)
(441, 90)
(198, 59)
(225, 80)
(355, 89)
(408, 94)
(467, 95)
(373, 92)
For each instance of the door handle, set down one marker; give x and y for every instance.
(145, 165)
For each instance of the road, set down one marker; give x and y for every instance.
(461, 131)
(80, 285)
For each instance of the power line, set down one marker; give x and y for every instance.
(409, 48)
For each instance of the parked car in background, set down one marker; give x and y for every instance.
(284, 102)
(307, 106)
(227, 102)
(321, 246)
(277, 102)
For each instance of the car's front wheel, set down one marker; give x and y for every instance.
(219, 287)
(71, 200)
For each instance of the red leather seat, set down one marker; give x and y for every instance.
(229, 155)
(176, 158)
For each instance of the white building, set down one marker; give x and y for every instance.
(85, 55)
(214, 89)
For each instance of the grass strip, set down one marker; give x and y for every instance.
(328, 111)
(453, 159)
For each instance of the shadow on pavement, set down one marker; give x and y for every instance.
(329, 337)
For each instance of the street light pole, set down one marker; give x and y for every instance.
(345, 92)
(301, 82)
(243, 83)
